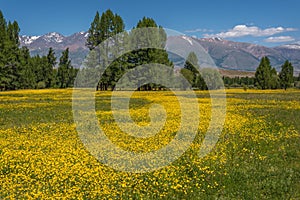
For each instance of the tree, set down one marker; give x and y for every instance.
(94, 33)
(265, 75)
(188, 75)
(65, 72)
(48, 69)
(155, 36)
(192, 65)
(200, 83)
(9, 56)
(104, 27)
(274, 79)
(286, 75)
(27, 77)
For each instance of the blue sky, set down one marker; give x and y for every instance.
(266, 22)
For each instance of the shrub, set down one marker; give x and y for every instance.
(41, 85)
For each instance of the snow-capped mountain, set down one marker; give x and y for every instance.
(41, 44)
(226, 54)
(54, 40)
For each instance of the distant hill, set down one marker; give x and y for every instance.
(227, 55)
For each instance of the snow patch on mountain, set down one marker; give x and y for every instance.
(28, 39)
(53, 37)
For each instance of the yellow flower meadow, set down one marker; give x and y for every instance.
(257, 154)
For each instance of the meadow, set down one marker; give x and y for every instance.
(256, 157)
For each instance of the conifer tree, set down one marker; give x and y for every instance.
(27, 77)
(48, 69)
(265, 75)
(64, 70)
(103, 28)
(192, 65)
(286, 75)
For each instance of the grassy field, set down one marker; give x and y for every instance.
(257, 155)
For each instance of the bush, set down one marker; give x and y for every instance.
(41, 85)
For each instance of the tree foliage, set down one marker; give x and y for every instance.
(266, 76)
(20, 70)
(65, 72)
(112, 39)
(286, 75)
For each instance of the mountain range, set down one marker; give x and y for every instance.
(228, 55)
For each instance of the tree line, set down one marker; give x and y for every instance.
(266, 77)
(107, 37)
(20, 70)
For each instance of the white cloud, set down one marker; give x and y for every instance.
(244, 30)
(280, 39)
(204, 30)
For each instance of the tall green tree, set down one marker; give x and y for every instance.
(265, 75)
(94, 33)
(155, 36)
(104, 27)
(11, 65)
(49, 68)
(189, 76)
(274, 79)
(192, 65)
(286, 75)
(65, 71)
(27, 77)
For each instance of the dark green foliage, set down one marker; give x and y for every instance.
(9, 54)
(191, 64)
(103, 60)
(48, 69)
(286, 75)
(155, 36)
(27, 76)
(188, 75)
(94, 33)
(18, 70)
(239, 81)
(266, 76)
(104, 27)
(65, 72)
